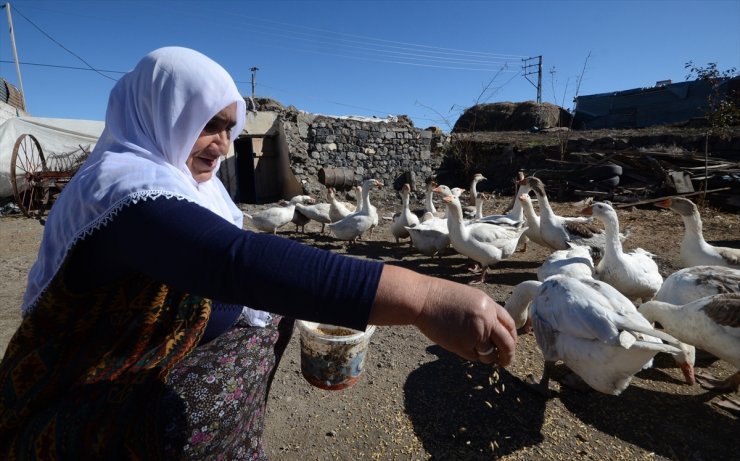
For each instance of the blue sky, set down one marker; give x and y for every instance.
(426, 59)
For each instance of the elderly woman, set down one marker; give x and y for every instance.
(135, 340)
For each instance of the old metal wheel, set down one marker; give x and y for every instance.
(27, 166)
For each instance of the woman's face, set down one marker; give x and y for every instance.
(212, 143)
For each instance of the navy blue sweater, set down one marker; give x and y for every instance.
(195, 251)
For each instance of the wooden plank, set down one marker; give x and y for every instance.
(658, 199)
(681, 181)
(715, 166)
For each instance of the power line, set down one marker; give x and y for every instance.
(62, 46)
(64, 67)
(395, 51)
(395, 44)
(371, 49)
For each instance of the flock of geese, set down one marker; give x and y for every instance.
(602, 311)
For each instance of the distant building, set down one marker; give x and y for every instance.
(664, 104)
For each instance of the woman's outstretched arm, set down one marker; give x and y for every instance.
(462, 319)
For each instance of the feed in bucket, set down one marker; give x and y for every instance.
(332, 357)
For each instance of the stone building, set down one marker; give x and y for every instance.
(284, 152)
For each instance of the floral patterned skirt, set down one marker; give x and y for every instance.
(224, 386)
(117, 373)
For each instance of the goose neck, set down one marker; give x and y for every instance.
(656, 311)
(611, 232)
(545, 209)
(366, 197)
(429, 202)
(693, 225)
(517, 211)
(455, 218)
(520, 300)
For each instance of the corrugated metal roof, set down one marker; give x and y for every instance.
(641, 107)
(10, 94)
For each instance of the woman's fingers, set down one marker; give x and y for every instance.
(504, 337)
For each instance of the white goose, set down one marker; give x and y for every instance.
(431, 237)
(695, 251)
(516, 211)
(319, 212)
(695, 282)
(429, 201)
(533, 221)
(711, 323)
(634, 274)
(485, 243)
(692, 283)
(445, 191)
(354, 225)
(273, 218)
(405, 218)
(556, 231)
(337, 208)
(474, 188)
(593, 329)
(372, 211)
(479, 199)
(358, 197)
(507, 219)
(574, 262)
(299, 219)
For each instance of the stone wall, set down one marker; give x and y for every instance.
(391, 150)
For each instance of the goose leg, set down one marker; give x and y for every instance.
(730, 384)
(524, 244)
(543, 386)
(475, 269)
(731, 404)
(574, 381)
(482, 279)
(527, 327)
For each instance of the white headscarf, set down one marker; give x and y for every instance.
(155, 114)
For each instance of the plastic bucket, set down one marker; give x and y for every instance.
(332, 357)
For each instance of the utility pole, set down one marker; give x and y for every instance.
(527, 67)
(15, 55)
(254, 79)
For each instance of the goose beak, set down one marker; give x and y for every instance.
(688, 373)
(588, 211)
(663, 203)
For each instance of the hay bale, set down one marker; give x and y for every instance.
(510, 116)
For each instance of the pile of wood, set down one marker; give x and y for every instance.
(636, 176)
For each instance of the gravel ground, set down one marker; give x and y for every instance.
(416, 401)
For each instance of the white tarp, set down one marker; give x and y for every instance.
(57, 136)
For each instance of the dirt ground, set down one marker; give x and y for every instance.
(416, 401)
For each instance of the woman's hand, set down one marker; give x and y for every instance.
(462, 319)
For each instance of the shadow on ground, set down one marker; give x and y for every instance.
(462, 410)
